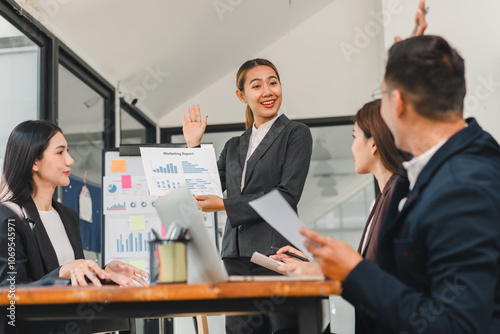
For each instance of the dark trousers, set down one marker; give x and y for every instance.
(257, 323)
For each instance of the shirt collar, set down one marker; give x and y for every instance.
(264, 127)
(415, 165)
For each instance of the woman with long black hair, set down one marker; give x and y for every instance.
(40, 234)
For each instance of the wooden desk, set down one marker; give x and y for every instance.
(170, 300)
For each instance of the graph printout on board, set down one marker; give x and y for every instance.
(167, 168)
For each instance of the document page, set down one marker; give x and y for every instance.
(167, 168)
(276, 211)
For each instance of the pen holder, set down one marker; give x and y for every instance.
(168, 261)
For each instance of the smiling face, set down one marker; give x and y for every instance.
(262, 93)
(362, 149)
(54, 168)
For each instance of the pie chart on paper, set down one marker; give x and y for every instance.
(112, 188)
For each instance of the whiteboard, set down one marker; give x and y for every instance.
(128, 211)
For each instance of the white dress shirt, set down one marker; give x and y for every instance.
(416, 165)
(57, 235)
(255, 139)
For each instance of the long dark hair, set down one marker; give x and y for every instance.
(240, 81)
(26, 143)
(371, 123)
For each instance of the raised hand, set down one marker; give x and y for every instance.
(193, 127)
(77, 270)
(420, 22)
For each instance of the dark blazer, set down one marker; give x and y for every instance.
(281, 161)
(35, 256)
(439, 258)
(364, 323)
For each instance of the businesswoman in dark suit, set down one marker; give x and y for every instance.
(40, 234)
(374, 152)
(273, 153)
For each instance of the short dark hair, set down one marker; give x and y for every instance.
(371, 123)
(430, 74)
(26, 143)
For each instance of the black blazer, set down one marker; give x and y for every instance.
(35, 257)
(439, 258)
(281, 161)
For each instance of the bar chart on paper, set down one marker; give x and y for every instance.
(168, 168)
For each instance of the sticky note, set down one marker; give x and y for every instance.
(126, 181)
(137, 223)
(118, 166)
(141, 264)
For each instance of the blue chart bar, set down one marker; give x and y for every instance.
(168, 184)
(168, 169)
(190, 168)
(197, 183)
(133, 243)
(173, 185)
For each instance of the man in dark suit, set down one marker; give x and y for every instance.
(439, 245)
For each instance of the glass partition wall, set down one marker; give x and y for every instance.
(19, 82)
(135, 127)
(81, 117)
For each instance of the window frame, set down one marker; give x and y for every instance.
(140, 117)
(52, 53)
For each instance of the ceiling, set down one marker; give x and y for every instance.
(163, 52)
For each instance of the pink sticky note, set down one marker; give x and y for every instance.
(126, 181)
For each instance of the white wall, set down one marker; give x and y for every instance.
(318, 78)
(473, 28)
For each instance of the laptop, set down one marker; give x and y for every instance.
(204, 264)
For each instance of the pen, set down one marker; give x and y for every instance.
(416, 26)
(157, 236)
(292, 255)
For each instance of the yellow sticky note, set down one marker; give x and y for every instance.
(118, 166)
(137, 223)
(141, 264)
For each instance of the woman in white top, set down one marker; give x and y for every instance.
(39, 237)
